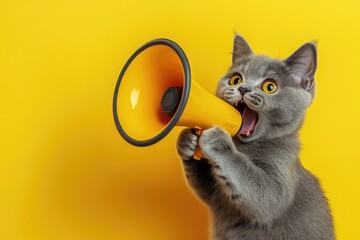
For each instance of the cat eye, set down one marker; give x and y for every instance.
(236, 79)
(269, 87)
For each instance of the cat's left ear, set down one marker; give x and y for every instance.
(302, 64)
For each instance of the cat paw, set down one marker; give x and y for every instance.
(215, 141)
(186, 144)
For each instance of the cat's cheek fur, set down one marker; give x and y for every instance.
(216, 142)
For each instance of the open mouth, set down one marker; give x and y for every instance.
(249, 119)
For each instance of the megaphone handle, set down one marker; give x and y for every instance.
(198, 154)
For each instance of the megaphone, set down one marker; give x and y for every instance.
(155, 92)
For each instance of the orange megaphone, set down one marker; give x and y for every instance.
(154, 93)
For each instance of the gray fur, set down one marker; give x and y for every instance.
(255, 186)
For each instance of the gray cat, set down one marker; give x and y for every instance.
(254, 183)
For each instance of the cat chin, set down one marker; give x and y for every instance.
(249, 138)
(244, 138)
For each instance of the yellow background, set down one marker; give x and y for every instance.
(65, 172)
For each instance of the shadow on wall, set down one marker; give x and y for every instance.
(93, 185)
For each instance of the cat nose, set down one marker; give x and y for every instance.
(243, 90)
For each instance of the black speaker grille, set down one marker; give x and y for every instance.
(170, 100)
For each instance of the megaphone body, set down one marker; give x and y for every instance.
(155, 92)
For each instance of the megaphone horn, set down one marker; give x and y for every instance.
(154, 93)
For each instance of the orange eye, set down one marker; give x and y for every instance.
(269, 87)
(235, 80)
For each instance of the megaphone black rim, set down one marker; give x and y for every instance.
(184, 98)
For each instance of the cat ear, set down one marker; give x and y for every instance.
(302, 64)
(241, 48)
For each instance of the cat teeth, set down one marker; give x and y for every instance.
(247, 134)
(236, 103)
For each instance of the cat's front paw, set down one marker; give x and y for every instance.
(187, 143)
(215, 141)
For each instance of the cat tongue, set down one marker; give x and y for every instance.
(249, 120)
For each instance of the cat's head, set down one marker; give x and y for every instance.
(271, 95)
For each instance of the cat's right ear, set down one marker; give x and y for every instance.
(241, 48)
